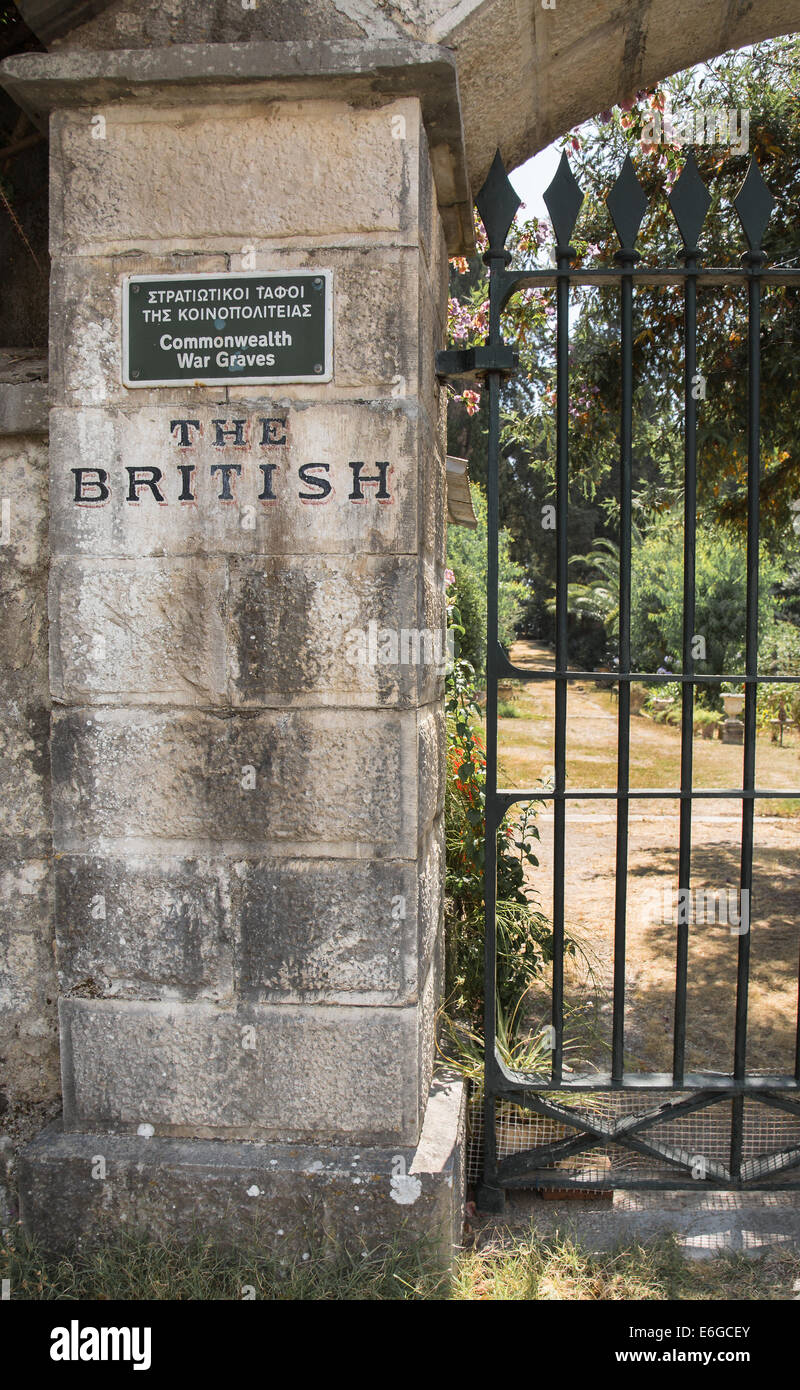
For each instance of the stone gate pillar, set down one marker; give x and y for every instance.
(246, 605)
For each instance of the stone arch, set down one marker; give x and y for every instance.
(527, 74)
(528, 70)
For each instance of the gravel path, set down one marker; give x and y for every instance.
(653, 867)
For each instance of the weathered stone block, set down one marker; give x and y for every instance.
(24, 775)
(433, 482)
(430, 905)
(140, 185)
(144, 926)
(24, 403)
(302, 930)
(275, 1196)
(433, 619)
(339, 931)
(376, 332)
(325, 630)
(24, 729)
(152, 23)
(431, 755)
(259, 1071)
(23, 492)
(432, 238)
(143, 631)
(429, 1000)
(28, 989)
(23, 580)
(28, 1042)
(323, 509)
(86, 318)
(375, 329)
(248, 897)
(290, 782)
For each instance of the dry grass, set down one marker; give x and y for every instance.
(555, 1269)
(526, 751)
(527, 747)
(514, 1267)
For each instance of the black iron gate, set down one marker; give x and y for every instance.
(643, 1115)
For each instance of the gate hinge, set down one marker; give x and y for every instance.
(477, 361)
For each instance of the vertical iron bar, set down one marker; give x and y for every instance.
(627, 260)
(563, 257)
(687, 665)
(490, 848)
(754, 261)
(797, 1032)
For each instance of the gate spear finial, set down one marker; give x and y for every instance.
(563, 199)
(497, 204)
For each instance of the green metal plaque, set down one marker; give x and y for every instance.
(248, 327)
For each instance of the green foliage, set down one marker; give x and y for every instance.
(658, 708)
(471, 636)
(706, 721)
(779, 647)
(776, 701)
(762, 80)
(721, 585)
(523, 933)
(657, 599)
(467, 558)
(522, 1051)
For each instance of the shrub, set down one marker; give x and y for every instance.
(507, 710)
(524, 936)
(706, 722)
(467, 552)
(777, 701)
(639, 697)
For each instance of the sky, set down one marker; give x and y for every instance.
(532, 178)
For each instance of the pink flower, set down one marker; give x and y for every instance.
(449, 578)
(472, 400)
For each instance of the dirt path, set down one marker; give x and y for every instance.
(653, 853)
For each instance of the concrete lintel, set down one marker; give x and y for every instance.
(276, 1195)
(346, 69)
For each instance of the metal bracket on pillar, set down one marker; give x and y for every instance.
(475, 362)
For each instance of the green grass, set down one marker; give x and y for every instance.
(134, 1268)
(786, 809)
(514, 1267)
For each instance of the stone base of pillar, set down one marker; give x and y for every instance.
(290, 1197)
(732, 731)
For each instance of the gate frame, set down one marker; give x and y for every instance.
(493, 362)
